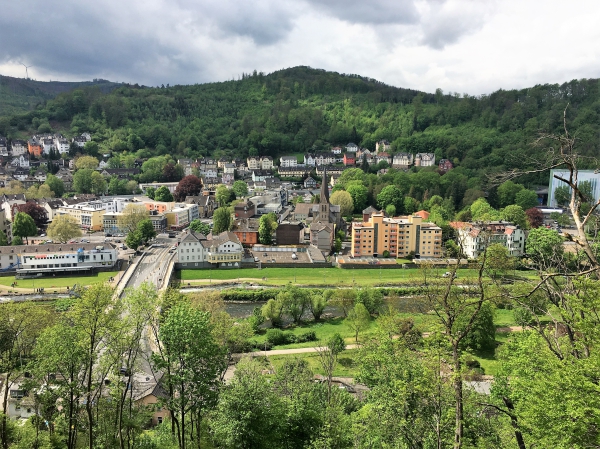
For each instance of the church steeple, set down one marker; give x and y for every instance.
(323, 215)
(324, 196)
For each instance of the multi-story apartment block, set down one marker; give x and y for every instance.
(398, 236)
(474, 238)
(88, 217)
(61, 144)
(266, 163)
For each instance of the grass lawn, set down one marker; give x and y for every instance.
(504, 318)
(57, 282)
(313, 276)
(346, 365)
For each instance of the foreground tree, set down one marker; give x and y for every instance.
(64, 228)
(266, 227)
(199, 226)
(163, 194)
(23, 226)
(192, 362)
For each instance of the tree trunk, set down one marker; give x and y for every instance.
(458, 397)
(514, 423)
(5, 414)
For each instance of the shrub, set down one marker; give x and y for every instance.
(306, 337)
(276, 337)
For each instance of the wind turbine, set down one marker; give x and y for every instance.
(26, 67)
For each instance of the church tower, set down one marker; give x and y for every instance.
(323, 215)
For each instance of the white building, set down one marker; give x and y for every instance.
(3, 146)
(61, 144)
(266, 163)
(288, 161)
(351, 147)
(474, 238)
(65, 257)
(424, 160)
(309, 160)
(198, 251)
(18, 147)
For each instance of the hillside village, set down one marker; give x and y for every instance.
(309, 228)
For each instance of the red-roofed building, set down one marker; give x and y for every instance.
(423, 214)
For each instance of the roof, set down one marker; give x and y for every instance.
(423, 214)
(193, 236)
(52, 248)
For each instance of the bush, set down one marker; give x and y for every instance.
(306, 337)
(276, 337)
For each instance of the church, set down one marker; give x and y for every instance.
(326, 218)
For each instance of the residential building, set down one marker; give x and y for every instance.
(398, 236)
(402, 160)
(309, 160)
(246, 230)
(253, 163)
(310, 183)
(298, 171)
(474, 238)
(424, 159)
(61, 144)
(383, 157)
(156, 185)
(34, 148)
(3, 147)
(349, 159)
(247, 209)
(18, 147)
(336, 150)
(325, 159)
(190, 251)
(181, 215)
(229, 169)
(80, 141)
(445, 165)
(266, 163)
(51, 258)
(223, 250)
(288, 161)
(352, 147)
(382, 146)
(206, 204)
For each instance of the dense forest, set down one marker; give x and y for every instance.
(301, 109)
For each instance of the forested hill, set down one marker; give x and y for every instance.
(18, 95)
(301, 109)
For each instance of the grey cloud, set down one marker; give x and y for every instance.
(370, 12)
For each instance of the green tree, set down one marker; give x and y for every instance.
(390, 210)
(55, 184)
(150, 191)
(82, 180)
(390, 195)
(249, 413)
(316, 305)
(344, 200)
(16, 240)
(544, 246)
(221, 220)
(562, 195)
(98, 184)
(371, 298)
(134, 239)
(192, 363)
(507, 192)
(266, 227)
(359, 193)
(515, 214)
(63, 228)
(498, 261)
(482, 211)
(3, 238)
(561, 219)
(23, 226)
(88, 162)
(240, 188)
(358, 319)
(223, 195)
(526, 199)
(410, 205)
(163, 194)
(146, 230)
(198, 226)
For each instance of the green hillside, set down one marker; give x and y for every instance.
(300, 109)
(18, 95)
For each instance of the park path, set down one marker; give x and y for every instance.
(287, 351)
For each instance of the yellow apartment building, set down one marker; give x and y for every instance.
(88, 218)
(399, 236)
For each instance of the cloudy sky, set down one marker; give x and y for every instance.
(465, 46)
